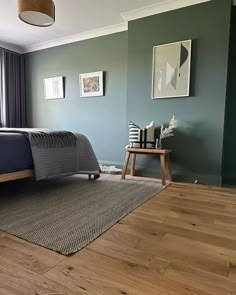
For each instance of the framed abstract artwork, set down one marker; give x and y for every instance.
(54, 88)
(91, 84)
(171, 70)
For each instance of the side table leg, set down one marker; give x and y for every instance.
(163, 169)
(125, 165)
(169, 167)
(132, 171)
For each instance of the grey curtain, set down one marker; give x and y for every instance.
(12, 89)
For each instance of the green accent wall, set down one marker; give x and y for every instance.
(126, 59)
(102, 119)
(229, 155)
(197, 146)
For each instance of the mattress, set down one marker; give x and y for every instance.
(15, 153)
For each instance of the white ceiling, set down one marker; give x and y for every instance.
(74, 18)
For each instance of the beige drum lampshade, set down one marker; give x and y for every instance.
(40, 13)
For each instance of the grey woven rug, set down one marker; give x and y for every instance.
(65, 215)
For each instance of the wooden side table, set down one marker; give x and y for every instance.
(164, 158)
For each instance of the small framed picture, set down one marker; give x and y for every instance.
(91, 84)
(54, 88)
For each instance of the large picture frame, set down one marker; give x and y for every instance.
(171, 70)
(54, 88)
(91, 84)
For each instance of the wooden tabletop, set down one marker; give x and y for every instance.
(147, 151)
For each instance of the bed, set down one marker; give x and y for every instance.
(17, 161)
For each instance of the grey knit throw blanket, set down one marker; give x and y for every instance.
(53, 151)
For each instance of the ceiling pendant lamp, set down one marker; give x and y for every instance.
(40, 13)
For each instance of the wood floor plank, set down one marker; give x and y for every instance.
(120, 237)
(219, 230)
(35, 258)
(206, 281)
(232, 268)
(140, 226)
(169, 210)
(138, 231)
(17, 280)
(134, 278)
(129, 255)
(87, 281)
(225, 220)
(188, 215)
(199, 255)
(157, 228)
(199, 205)
(214, 196)
(181, 187)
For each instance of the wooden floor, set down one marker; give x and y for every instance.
(183, 241)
